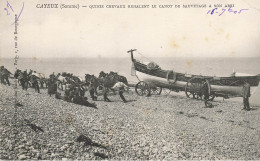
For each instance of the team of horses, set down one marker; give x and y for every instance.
(65, 80)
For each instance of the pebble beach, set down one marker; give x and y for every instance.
(159, 127)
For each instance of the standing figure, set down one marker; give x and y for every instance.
(92, 91)
(35, 83)
(24, 80)
(246, 95)
(52, 86)
(121, 87)
(106, 99)
(205, 92)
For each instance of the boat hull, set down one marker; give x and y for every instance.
(222, 81)
(234, 91)
(219, 86)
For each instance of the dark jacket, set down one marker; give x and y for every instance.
(246, 90)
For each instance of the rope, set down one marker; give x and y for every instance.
(144, 56)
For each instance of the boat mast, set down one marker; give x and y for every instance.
(132, 53)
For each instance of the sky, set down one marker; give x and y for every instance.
(155, 32)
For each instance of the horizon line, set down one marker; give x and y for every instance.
(138, 57)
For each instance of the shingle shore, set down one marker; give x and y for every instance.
(156, 127)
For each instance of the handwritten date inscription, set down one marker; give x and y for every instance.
(223, 10)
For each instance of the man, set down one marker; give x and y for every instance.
(52, 86)
(106, 99)
(35, 83)
(246, 95)
(24, 80)
(205, 92)
(67, 94)
(121, 87)
(92, 91)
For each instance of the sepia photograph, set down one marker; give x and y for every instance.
(130, 80)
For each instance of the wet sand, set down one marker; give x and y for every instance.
(156, 127)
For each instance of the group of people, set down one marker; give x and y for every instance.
(75, 94)
(30, 78)
(74, 88)
(75, 91)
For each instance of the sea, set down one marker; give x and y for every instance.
(81, 66)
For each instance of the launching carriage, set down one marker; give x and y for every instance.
(154, 80)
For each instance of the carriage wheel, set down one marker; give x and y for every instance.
(198, 91)
(156, 90)
(142, 88)
(194, 89)
(166, 91)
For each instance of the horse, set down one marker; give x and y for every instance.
(113, 77)
(102, 75)
(121, 79)
(108, 80)
(4, 75)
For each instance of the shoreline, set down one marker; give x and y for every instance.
(156, 127)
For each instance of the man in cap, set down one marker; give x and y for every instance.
(246, 95)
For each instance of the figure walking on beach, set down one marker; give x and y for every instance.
(121, 87)
(246, 95)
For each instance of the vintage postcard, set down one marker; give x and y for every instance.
(130, 80)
